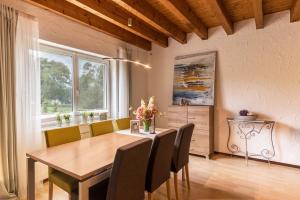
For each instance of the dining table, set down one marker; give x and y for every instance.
(88, 160)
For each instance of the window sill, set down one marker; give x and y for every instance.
(49, 121)
(64, 125)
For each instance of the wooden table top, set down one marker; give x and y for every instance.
(84, 158)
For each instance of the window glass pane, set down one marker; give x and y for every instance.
(91, 85)
(56, 83)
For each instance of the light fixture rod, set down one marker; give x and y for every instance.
(130, 61)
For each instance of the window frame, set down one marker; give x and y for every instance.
(105, 78)
(76, 56)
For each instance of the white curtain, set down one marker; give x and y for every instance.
(29, 136)
(119, 86)
(8, 160)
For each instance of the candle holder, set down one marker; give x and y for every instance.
(153, 130)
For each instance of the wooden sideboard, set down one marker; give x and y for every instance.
(203, 117)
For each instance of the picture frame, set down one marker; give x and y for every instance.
(134, 126)
(194, 79)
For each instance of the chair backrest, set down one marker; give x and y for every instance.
(127, 181)
(62, 136)
(100, 128)
(160, 160)
(182, 147)
(122, 124)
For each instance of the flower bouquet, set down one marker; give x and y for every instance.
(145, 113)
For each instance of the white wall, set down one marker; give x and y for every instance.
(61, 30)
(258, 70)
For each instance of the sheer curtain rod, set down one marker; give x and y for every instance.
(27, 15)
(20, 12)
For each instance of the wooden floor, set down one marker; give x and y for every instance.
(226, 177)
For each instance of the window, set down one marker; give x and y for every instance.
(91, 85)
(71, 81)
(56, 83)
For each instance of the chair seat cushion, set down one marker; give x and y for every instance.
(64, 181)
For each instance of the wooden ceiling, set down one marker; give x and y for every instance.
(157, 20)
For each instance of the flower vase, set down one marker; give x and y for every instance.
(147, 124)
(91, 119)
(59, 123)
(84, 119)
(68, 122)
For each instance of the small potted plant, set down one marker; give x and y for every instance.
(58, 119)
(67, 118)
(91, 115)
(84, 117)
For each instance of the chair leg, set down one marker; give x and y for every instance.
(168, 189)
(187, 175)
(50, 190)
(149, 196)
(176, 185)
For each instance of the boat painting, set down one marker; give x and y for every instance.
(194, 79)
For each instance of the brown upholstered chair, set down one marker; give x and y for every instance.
(180, 158)
(127, 180)
(160, 161)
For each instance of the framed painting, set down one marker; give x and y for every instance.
(194, 79)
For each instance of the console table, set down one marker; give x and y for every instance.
(246, 130)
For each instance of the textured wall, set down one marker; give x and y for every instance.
(256, 69)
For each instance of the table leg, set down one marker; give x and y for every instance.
(83, 191)
(30, 179)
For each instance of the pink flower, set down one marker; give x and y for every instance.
(146, 112)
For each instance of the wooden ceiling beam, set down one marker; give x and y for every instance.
(147, 13)
(182, 10)
(258, 13)
(295, 11)
(117, 15)
(80, 15)
(221, 14)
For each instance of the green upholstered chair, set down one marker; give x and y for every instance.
(122, 124)
(103, 127)
(67, 183)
